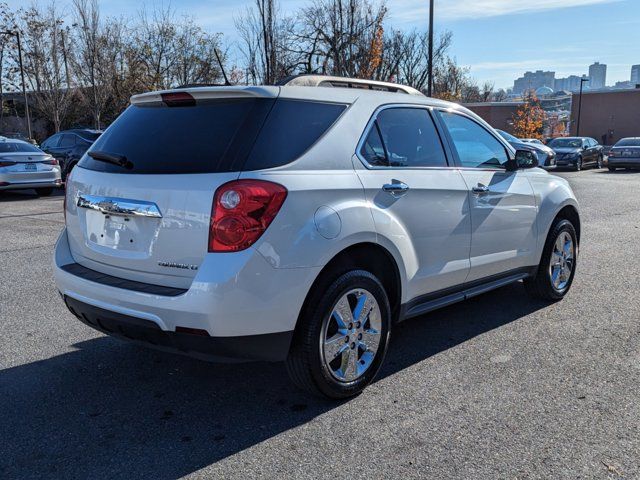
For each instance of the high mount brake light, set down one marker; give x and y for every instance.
(241, 212)
(178, 99)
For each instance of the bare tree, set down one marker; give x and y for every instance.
(90, 63)
(269, 43)
(44, 64)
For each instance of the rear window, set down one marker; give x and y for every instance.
(628, 142)
(213, 136)
(11, 147)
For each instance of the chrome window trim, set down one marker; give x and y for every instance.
(370, 125)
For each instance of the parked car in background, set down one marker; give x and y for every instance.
(68, 146)
(298, 223)
(625, 154)
(577, 152)
(546, 156)
(19, 136)
(25, 166)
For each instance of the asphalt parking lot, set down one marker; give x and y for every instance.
(497, 387)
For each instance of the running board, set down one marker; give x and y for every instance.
(431, 304)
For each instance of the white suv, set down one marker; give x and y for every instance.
(299, 223)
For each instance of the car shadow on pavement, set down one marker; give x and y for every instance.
(111, 409)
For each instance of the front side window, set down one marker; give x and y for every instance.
(476, 147)
(404, 137)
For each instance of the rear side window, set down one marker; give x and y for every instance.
(292, 128)
(213, 136)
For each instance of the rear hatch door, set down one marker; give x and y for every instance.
(147, 218)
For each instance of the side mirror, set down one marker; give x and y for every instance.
(524, 159)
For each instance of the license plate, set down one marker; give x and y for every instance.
(30, 167)
(627, 153)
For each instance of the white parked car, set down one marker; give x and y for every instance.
(25, 166)
(300, 223)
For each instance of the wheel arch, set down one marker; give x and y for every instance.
(368, 256)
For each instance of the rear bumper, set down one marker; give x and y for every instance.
(238, 299)
(270, 347)
(6, 185)
(624, 162)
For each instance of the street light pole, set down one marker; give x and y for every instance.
(430, 73)
(24, 88)
(582, 80)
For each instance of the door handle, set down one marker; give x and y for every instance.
(396, 189)
(480, 189)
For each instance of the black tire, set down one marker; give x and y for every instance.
(612, 169)
(540, 286)
(305, 363)
(44, 192)
(578, 166)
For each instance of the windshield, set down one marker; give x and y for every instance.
(566, 143)
(507, 136)
(90, 136)
(13, 147)
(628, 142)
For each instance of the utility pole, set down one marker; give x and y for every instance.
(24, 88)
(430, 80)
(582, 80)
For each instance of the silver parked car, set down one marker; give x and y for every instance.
(24, 166)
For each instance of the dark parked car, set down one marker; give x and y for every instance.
(68, 146)
(577, 152)
(625, 154)
(546, 156)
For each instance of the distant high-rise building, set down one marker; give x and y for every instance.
(533, 81)
(570, 83)
(635, 75)
(597, 76)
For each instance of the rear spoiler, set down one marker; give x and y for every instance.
(207, 93)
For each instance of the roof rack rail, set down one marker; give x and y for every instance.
(307, 80)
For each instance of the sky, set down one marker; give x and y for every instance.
(497, 39)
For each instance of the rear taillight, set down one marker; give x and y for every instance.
(53, 161)
(6, 164)
(612, 154)
(241, 212)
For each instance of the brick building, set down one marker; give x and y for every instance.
(497, 114)
(608, 116)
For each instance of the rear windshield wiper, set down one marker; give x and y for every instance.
(113, 158)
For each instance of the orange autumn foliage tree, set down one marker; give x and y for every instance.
(528, 121)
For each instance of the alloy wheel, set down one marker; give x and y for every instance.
(562, 261)
(351, 335)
